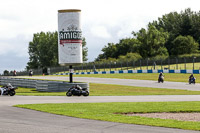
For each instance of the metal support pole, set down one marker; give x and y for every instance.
(110, 66)
(127, 64)
(185, 63)
(169, 63)
(71, 74)
(104, 67)
(193, 63)
(176, 64)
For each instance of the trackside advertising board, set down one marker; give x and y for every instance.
(69, 37)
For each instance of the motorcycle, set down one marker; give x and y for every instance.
(160, 79)
(192, 80)
(9, 90)
(77, 91)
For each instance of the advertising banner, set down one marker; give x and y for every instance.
(69, 37)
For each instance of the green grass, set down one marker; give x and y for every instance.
(112, 90)
(111, 112)
(175, 77)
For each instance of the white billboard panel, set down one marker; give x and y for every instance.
(70, 37)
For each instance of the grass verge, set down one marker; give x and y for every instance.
(110, 112)
(111, 90)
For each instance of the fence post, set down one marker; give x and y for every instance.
(121, 65)
(96, 66)
(176, 63)
(104, 66)
(140, 65)
(147, 63)
(169, 63)
(193, 61)
(185, 63)
(154, 64)
(161, 64)
(110, 66)
(127, 64)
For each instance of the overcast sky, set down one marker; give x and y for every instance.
(103, 22)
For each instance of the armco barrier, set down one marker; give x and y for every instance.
(57, 86)
(42, 85)
(135, 71)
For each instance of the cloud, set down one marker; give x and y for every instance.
(12, 62)
(100, 31)
(17, 45)
(103, 22)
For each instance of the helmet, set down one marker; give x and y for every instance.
(9, 85)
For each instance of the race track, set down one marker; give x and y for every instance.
(128, 82)
(30, 121)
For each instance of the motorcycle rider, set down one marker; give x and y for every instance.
(160, 75)
(78, 87)
(2, 90)
(192, 77)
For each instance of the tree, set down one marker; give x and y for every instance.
(127, 45)
(184, 23)
(5, 72)
(84, 50)
(129, 57)
(152, 42)
(33, 52)
(124, 46)
(108, 51)
(184, 45)
(43, 50)
(133, 56)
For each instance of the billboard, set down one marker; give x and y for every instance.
(69, 37)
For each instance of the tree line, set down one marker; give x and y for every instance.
(173, 35)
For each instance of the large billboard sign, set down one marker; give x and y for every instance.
(69, 37)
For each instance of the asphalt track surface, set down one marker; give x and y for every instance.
(18, 120)
(128, 82)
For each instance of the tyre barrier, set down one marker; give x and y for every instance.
(42, 85)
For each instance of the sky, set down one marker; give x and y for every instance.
(102, 21)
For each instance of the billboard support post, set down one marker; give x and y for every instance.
(70, 74)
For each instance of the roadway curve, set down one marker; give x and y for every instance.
(128, 82)
(18, 120)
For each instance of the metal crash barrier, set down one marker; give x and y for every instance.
(42, 85)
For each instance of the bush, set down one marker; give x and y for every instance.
(189, 55)
(159, 57)
(130, 57)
